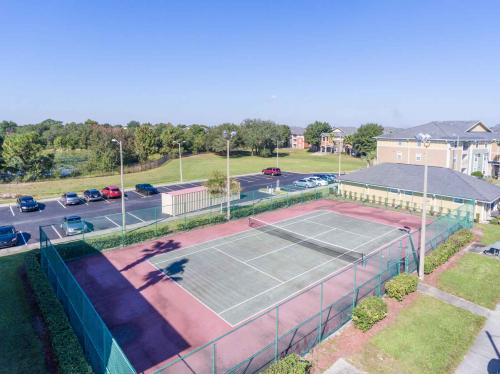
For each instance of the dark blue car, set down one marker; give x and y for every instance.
(8, 236)
(146, 189)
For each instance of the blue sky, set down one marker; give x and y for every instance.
(399, 63)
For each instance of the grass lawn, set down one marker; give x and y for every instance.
(491, 233)
(429, 336)
(475, 278)
(20, 348)
(194, 168)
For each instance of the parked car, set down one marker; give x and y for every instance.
(73, 225)
(146, 189)
(111, 191)
(492, 249)
(92, 195)
(27, 203)
(330, 178)
(69, 199)
(272, 171)
(304, 183)
(318, 181)
(8, 236)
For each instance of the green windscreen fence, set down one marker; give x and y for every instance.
(295, 325)
(100, 347)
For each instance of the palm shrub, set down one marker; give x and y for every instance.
(368, 312)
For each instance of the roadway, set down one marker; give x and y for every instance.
(106, 214)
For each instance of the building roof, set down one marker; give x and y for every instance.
(447, 130)
(346, 130)
(442, 181)
(297, 130)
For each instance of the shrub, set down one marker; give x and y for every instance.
(64, 343)
(401, 285)
(291, 364)
(368, 312)
(447, 249)
(478, 174)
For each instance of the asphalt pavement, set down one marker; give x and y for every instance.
(106, 214)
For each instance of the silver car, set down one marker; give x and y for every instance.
(70, 199)
(305, 183)
(73, 225)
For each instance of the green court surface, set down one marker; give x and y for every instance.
(240, 275)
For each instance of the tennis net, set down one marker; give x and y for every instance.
(309, 242)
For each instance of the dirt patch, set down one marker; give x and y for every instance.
(351, 340)
(39, 325)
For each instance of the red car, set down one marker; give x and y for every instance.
(111, 192)
(272, 171)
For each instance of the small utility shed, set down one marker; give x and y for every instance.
(401, 185)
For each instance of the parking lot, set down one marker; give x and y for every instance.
(106, 214)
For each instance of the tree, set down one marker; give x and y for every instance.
(217, 185)
(217, 143)
(145, 142)
(168, 137)
(24, 155)
(8, 127)
(312, 134)
(363, 141)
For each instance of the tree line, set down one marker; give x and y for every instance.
(27, 152)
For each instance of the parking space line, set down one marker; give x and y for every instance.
(106, 200)
(137, 217)
(24, 239)
(11, 210)
(136, 192)
(55, 230)
(62, 205)
(112, 221)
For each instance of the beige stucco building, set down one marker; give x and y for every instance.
(464, 146)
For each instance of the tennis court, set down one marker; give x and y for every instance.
(240, 275)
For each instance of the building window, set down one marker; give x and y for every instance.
(406, 192)
(418, 157)
(419, 144)
(396, 191)
(399, 156)
(400, 143)
(458, 200)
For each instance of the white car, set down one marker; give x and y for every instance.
(304, 183)
(317, 181)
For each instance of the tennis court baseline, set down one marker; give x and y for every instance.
(240, 275)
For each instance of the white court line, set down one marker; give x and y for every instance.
(62, 205)
(112, 221)
(55, 230)
(191, 294)
(11, 210)
(138, 218)
(249, 265)
(375, 238)
(343, 230)
(253, 232)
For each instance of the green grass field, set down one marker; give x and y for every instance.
(429, 336)
(491, 233)
(194, 168)
(475, 278)
(20, 348)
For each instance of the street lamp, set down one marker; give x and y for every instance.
(340, 153)
(180, 156)
(277, 152)
(228, 136)
(121, 181)
(425, 139)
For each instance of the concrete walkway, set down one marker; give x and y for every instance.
(341, 366)
(484, 355)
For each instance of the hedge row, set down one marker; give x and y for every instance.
(91, 245)
(291, 364)
(447, 249)
(401, 285)
(368, 312)
(64, 343)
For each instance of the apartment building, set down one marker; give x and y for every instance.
(297, 140)
(464, 146)
(330, 142)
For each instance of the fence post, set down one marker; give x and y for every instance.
(320, 326)
(214, 360)
(276, 338)
(355, 293)
(156, 221)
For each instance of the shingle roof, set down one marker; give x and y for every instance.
(297, 130)
(442, 181)
(444, 130)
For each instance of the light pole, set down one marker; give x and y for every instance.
(277, 153)
(180, 156)
(228, 136)
(425, 139)
(340, 153)
(122, 188)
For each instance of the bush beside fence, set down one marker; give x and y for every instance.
(447, 249)
(65, 346)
